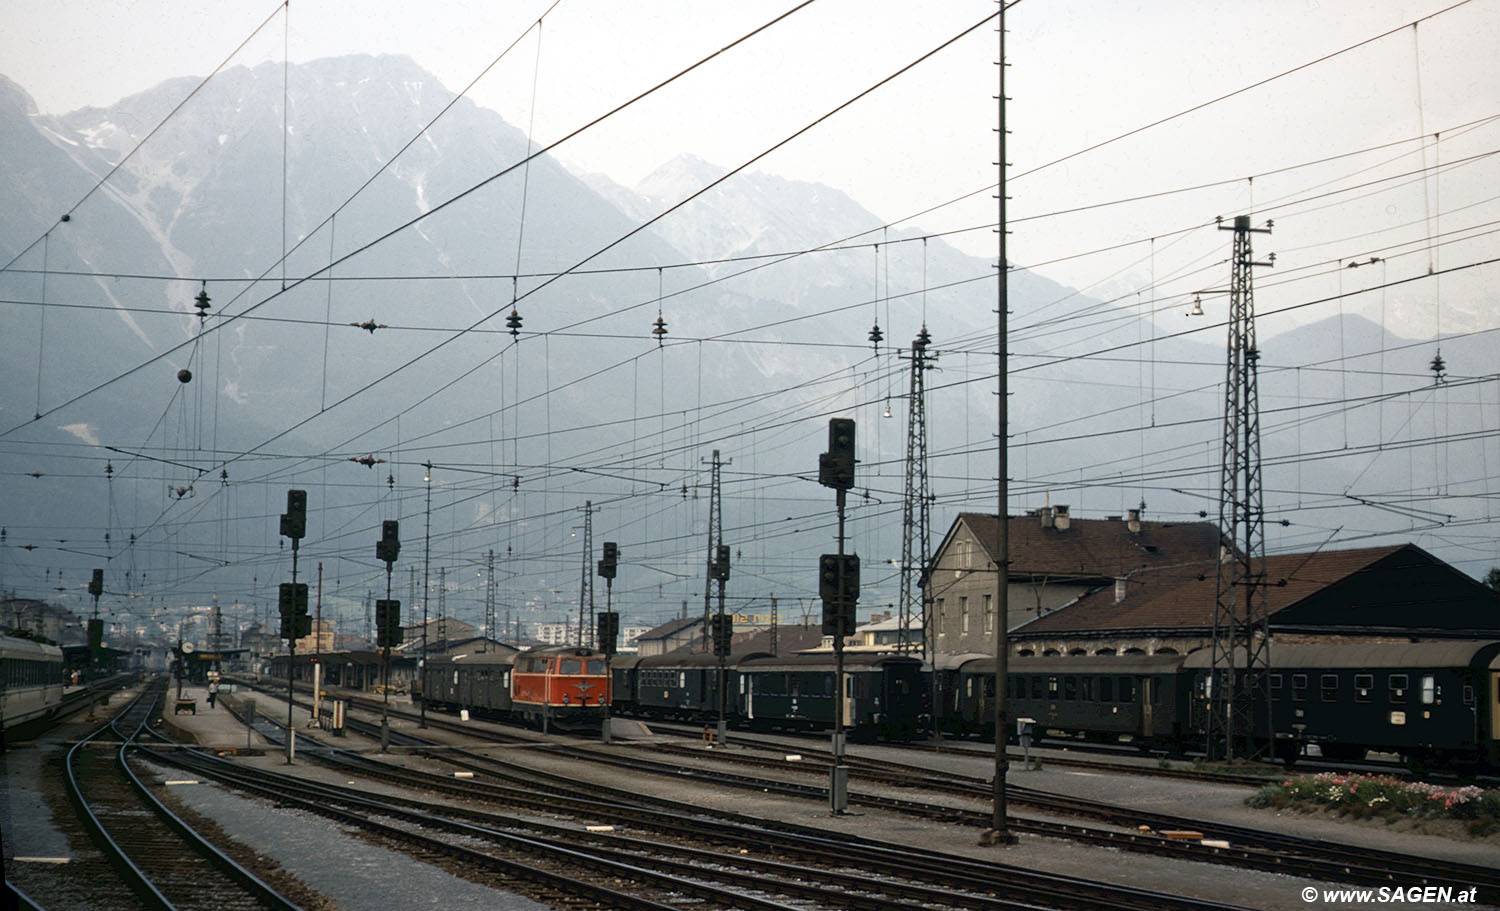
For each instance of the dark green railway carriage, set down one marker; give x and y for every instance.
(478, 682)
(883, 694)
(1100, 697)
(1431, 702)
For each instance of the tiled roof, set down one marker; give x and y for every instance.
(1185, 597)
(1095, 548)
(668, 628)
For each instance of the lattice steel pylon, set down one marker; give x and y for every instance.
(715, 538)
(916, 506)
(489, 601)
(586, 579)
(1239, 705)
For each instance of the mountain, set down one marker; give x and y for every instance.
(768, 289)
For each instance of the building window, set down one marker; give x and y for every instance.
(963, 613)
(989, 613)
(942, 617)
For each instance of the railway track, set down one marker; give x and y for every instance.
(1249, 848)
(156, 856)
(785, 862)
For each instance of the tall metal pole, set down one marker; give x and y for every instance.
(715, 537)
(291, 666)
(722, 733)
(999, 832)
(839, 795)
(385, 668)
(426, 589)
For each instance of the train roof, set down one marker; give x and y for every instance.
(474, 659)
(568, 651)
(1440, 653)
(696, 659)
(811, 662)
(1078, 664)
(13, 647)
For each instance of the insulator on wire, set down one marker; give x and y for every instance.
(201, 302)
(659, 329)
(514, 323)
(923, 339)
(876, 336)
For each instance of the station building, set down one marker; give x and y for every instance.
(1127, 586)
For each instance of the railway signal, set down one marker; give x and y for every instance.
(608, 631)
(609, 566)
(722, 631)
(836, 466)
(838, 583)
(387, 620)
(294, 520)
(719, 569)
(292, 601)
(387, 623)
(389, 545)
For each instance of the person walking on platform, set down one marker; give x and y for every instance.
(213, 692)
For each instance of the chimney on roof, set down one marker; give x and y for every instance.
(1060, 519)
(1133, 521)
(1119, 590)
(1046, 516)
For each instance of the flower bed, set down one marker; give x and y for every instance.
(1382, 796)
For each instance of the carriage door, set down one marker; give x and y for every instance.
(1495, 707)
(848, 696)
(1148, 692)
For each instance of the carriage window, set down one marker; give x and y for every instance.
(682, 678)
(570, 666)
(1051, 687)
(1329, 685)
(1364, 684)
(1398, 686)
(1070, 688)
(1127, 689)
(1036, 687)
(968, 686)
(989, 687)
(1086, 689)
(827, 684)
(455, 677)
(1299, 687)
(1106, 689)
(595, 666)
(1429, 689)
(1468, 694)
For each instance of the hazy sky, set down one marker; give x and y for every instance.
(1082, 73)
